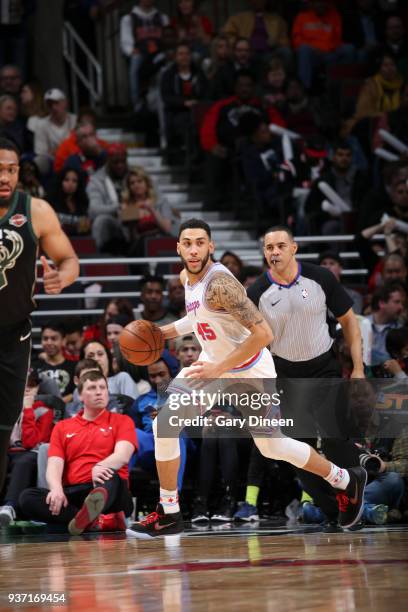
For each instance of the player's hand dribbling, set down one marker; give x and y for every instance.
(204, 369)
(51, 277)
(56, 499)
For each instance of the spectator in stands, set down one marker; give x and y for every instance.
(145, 212)
(396, 344)
(233, 262)
(105, 189)
(193, 28)
(223, 80)
(11, 127)
(176, 304)
(275, 85)
(140, 39)
(362, 27)
(136, 373)
(298, 112)
(333, 262)
(387, 306)
(396, 44)
(261, 159)
(317, 40)
(74, 339)
(395, 204)
(152, 298)
(69, 146)
(120, 383)
(69, 199)
(379, 94)
(52, 363)
(266, 31)
(32, 105)
(187, 350)
(113, 328)
(219, 134)
(29, 179)
(182, 87)
(114, 307)
(145, 409)
(395, 122)
(87, 473)
(50, 131)
(220, 53)
(249, 275)
(11, 80)
(91, 152)
(350, 184)
(32, 429)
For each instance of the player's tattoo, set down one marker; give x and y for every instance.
(225, 293)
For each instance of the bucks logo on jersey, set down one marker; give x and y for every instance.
(9, 253)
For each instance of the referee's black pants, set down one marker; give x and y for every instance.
(15, 348)
(34, 506)
(323, 404)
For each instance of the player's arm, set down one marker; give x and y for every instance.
(55, 243)
(352, 336)
(226, 294)
(181, 326)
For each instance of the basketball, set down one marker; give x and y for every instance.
(141, 342)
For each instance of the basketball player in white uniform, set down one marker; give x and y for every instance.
(234, 338)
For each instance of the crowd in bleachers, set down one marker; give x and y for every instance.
(331, 78)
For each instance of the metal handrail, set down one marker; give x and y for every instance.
(93, 81)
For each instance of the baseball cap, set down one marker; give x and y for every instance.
(55, 95)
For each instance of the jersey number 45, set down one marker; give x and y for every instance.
(206, 332)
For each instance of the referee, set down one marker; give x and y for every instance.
(295, 299)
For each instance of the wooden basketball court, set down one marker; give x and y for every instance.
(265, 567)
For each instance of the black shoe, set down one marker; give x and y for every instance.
(226, 510)
(352, 499)
(158, 524)
(331, 526)
(200, 511)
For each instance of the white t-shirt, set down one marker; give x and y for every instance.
(48, 135)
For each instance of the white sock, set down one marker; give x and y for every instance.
(169, 500)
(338, 477)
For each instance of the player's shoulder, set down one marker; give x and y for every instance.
(319, 274)
(258, 288)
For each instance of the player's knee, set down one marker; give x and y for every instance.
(165, 449)
(285, 449)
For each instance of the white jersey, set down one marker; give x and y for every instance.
(218, 332)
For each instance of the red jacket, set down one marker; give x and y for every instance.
(321, 32)
(208, 133)
(36, 426)
(69, 147)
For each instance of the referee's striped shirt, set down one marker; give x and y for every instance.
(297, 313)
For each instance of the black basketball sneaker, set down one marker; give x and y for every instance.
(351, 500)
(158, 524)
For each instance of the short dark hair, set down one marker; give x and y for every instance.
(195, 224)
(9, 145)
(330, 255)
(280, 228)
(383, 294)
(342, 144)
(395, 341)
(93, 375)
(72, 325)
(107, 351)
(244, 73)
(152, 278)
(57, 326)
(86, 364)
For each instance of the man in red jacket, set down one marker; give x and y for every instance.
(220, 131)
(317, 39)
(88, 458)
(32, 429)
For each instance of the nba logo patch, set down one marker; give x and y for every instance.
(304, 294)
(18, 220)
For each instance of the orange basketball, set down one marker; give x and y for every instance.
(141, 342)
